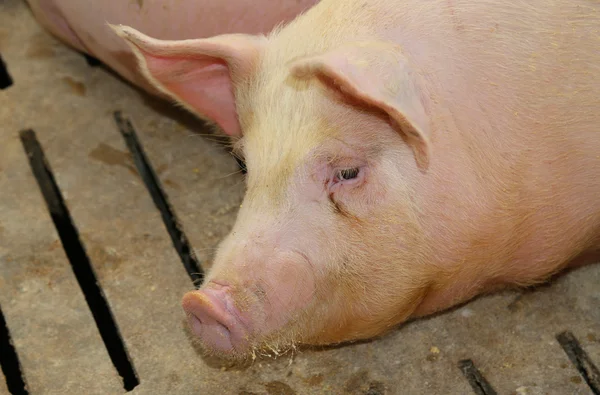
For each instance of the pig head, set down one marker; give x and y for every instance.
(333, 141)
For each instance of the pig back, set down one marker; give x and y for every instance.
(83, 23)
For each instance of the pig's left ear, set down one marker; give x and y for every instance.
(377, 74)
(199, 74)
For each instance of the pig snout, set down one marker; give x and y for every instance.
(251, 293)
(214, 317)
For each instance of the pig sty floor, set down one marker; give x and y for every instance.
(507, 343)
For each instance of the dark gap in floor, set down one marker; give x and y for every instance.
(147, 173)
(478, 383)
(580, 359)
(5, 79)
(92, 61)
(9, 361)
(80, 263)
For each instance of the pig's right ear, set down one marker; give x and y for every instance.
(198, 74)
(377, 74)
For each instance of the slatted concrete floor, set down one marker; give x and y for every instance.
(510, 337)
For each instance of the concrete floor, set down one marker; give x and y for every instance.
(510, 336)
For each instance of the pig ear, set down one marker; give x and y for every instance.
(376, 74)
(198, 74)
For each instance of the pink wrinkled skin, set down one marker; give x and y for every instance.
(403, 157)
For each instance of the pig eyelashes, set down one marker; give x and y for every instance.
(346, 177)
(347, 174)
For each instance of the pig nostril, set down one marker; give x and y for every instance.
(210, 320)
(211, 331)
(195, 324)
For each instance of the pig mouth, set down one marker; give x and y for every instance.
(215, 320)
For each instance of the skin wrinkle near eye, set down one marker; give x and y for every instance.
(340, 209)
(336, 207)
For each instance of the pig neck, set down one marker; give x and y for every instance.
(506, 199)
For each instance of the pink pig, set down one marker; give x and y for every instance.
(402, 156)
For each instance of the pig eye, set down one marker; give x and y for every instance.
(348, 174)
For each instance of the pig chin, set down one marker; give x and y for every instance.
(236, 314)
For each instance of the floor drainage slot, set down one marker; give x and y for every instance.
(92, 61)
(580, 359)
(80, 263)
(5, 80)
(9, 361)
(180, 240)
(475, 378)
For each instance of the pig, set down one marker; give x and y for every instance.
(82, 24)
(403, 157)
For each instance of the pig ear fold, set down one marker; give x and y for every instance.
(198, 74)
(376, 74)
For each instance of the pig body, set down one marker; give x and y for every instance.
(82, 23)
(402, 156)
